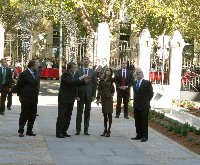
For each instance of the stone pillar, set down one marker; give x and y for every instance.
(2, 30)
(103, 41)
(145, 45)
(176, 48)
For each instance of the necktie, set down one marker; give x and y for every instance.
(86, 71)
(138, 85)
(33, 74)
(4, 76)
(123, 78)
(124, 74)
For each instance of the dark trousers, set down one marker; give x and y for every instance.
(107, 119)
(28, 113)
(125, 96)
(80, 107)
(141, 122)
(4, 93)
(64, 117)
(9, 100)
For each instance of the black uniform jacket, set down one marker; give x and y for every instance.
(67, 90)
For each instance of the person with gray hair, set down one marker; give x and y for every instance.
(143, 93)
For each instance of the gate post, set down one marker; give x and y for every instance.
(103, 41)
(145, 45)
(176, 46)
(2, 30)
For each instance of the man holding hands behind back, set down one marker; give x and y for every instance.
(27, 90)
(143, 93)
(123, 80)
(66, 98)
(85, 95)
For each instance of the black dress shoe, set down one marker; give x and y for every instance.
(136, 138)
(9, 108)
(30, 134)
(66, 135)
(117, 116)
(60, 136)
(86, 133)
(1, 113)
(144, 139)
(126, 117)
(21, 135)
(77, 133)
(104, 133)
(108, 134)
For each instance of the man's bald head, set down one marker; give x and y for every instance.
(138, 74)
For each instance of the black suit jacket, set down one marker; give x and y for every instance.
(9, 80)
(27, 88)
(67, 91)
(143, 96)
(129, 79)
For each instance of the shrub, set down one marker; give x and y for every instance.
(166, 125)
(190, 138)
(177, 130)
(157, 121)
(152, 119)
(162, 123)
(162, 115)
(197, 132)
(198, 142)
(192, 129)
(171, 127)
(184, 132)
(186, 125)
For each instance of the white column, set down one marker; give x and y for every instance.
(2, 30)
(145, 46)
(176, 46)
(103, 41)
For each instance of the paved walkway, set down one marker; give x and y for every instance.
(46, 149)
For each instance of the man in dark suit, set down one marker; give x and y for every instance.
(15, 76)
(97, 68)
(66, 98)
(27, 90)
(85, 95)
(123, 80)
(5, 84)
(143, 93)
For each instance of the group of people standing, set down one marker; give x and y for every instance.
(27, 88)
(83, 85)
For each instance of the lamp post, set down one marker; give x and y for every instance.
(60, 44)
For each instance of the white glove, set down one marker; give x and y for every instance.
(82, 77)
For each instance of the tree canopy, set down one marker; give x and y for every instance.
(156, 15)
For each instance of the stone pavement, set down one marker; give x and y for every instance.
(46, 149)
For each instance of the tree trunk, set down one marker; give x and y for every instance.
(90, 29)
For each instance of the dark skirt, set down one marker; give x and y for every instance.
(107, 105)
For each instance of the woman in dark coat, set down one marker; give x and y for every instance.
(105, 97)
